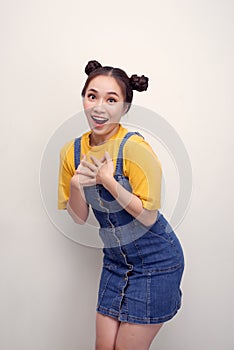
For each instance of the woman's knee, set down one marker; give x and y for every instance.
(106, 332)
(136, 336)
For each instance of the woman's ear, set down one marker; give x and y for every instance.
(125, 108)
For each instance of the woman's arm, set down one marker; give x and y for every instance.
(130, 202)
(77, 206)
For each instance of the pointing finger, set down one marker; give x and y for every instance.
(107, 156)
(103, 159)
(87, 164)
(95, 161)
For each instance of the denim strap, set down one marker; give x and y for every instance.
(77, 151)
(119, 162)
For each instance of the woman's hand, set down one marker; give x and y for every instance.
(101, 171)
(96, 173)
(105, 168)
(83, 176)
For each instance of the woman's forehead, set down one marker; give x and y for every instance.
(104, 83)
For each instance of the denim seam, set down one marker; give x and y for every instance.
(163, 269)
(148, 281)
(160, 319)
(104, 289)
(161, 237)
(177, 252)
(107, 311)
(155, 318)
(139, 252)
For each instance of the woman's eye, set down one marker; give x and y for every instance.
(111, 100)
(91, 96)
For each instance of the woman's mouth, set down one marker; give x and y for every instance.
(99, 120)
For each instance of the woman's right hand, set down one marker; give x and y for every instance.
(81, 180)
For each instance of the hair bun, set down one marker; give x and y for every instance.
(91, 66)
(139, 83)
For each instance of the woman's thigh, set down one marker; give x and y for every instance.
(136, 336)
(106, 332)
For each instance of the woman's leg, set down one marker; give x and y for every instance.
(106, 331)
(136, 336)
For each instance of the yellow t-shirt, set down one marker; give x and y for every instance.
(140, 165)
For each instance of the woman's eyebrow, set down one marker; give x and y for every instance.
(112, 93)
(109, 92)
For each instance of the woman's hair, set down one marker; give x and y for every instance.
(127, 85)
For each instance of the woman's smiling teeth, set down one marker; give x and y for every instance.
(99, 120)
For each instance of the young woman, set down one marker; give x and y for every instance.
(119, 176)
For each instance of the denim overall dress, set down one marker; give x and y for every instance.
(142, 265)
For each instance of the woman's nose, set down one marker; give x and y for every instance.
(99, 107)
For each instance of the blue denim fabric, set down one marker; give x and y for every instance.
(142, 266)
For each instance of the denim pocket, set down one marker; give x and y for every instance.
(162, 229)
(163, 291)
(159, 231)
(163, 270)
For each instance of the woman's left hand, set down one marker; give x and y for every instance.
(100, 171)
(105, 168)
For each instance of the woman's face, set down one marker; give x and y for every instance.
(103, 104)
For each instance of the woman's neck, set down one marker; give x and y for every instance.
(96, 140)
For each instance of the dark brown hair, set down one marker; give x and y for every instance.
(127, 85)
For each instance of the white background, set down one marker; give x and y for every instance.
(48, 282)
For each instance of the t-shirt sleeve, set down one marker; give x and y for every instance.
(144, 171)
(66, 171)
